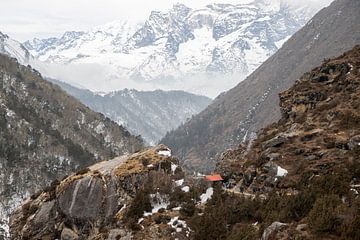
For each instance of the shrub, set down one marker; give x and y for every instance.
(323, 217)
(188, 209)
(352, 231)
(139, 205)
(243, 232)
(212, 225)
(296, 207)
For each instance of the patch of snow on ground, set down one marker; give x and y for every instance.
(179, 182)
(158, 202)
(166, 153)
(179, 225)
(185, 189)
(206, 196)
(173, 168)
(281, 172)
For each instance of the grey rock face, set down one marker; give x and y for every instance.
(68, 234)
(83, 198)
(354, 143)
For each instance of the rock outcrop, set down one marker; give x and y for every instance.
(96, 203)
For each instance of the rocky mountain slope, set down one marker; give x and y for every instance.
(149, 114)
(298, 180)
(242, 111)
(184, 48)
(46, 134)
(307, 165)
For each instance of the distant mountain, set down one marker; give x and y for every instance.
(47, 134)
(238, 114)
(149, 114)
(184, 48)
(14, 49)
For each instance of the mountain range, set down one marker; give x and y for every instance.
(237, 115)
(183, 48)
(149, 114)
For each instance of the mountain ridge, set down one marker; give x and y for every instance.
(149, 114)
(245, 109)
(183, 48)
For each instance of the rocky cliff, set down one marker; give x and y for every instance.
(105, 201)
(46, 134)
(239, 113)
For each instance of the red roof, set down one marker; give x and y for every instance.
(214, 178)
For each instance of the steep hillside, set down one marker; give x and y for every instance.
(242, 111)
(149, 114)
(307, 166)
(183, 48)
(46, 134)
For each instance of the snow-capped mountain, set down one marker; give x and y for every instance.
(14, 49)
(182, 49)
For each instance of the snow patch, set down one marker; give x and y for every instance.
(166, 153)
(158, 202)
(179, 182)
(173, 168)
(179, 225)
(185, 189)
(281, 172)
(207, 195)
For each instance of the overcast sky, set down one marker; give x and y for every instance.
(26, 19)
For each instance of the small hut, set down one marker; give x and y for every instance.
(214, 178)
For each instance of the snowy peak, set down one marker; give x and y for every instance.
(14, 49)
(183, 48)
